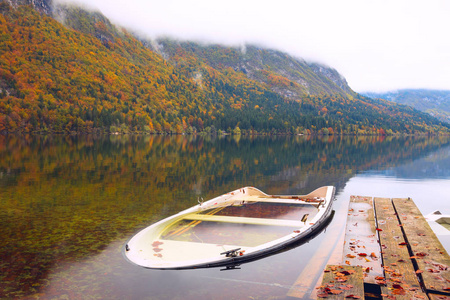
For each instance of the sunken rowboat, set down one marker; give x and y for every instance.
(240, 226)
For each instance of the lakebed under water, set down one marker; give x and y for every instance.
(69, 204)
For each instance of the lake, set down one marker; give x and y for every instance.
(70, 203)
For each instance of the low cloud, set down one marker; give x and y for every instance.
(377, 45)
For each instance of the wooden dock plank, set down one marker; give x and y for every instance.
(360, 239)
(431, 257)
(438, 297)
(342, 282)
(401, 280)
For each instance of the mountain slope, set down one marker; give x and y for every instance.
(433, 102)
(292, 78)
(83, 74)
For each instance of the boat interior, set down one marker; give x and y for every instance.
(245, 225)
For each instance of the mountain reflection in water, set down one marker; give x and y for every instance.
(69, 203)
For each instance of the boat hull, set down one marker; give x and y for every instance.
(193, 237)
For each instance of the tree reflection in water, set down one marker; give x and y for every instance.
(66, 199)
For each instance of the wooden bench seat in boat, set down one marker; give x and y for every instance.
(243, 220)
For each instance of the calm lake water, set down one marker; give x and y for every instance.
(69, 204)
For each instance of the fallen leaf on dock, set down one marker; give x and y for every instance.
(433, 271)
(349, 272)
(387, 269)
(399, 292)
(350, 256)
(346, 287)
(362, 254)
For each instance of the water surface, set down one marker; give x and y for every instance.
(69, 204)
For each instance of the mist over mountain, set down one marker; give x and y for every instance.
(290, 77)
(67, 69)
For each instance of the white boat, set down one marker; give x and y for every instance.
(439, 223)
(239, 226)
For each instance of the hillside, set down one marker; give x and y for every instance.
(292, 78)
(433, 102)
(74, 71)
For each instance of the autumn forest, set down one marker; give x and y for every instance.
(75, 72)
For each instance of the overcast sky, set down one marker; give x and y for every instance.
(378, 45)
